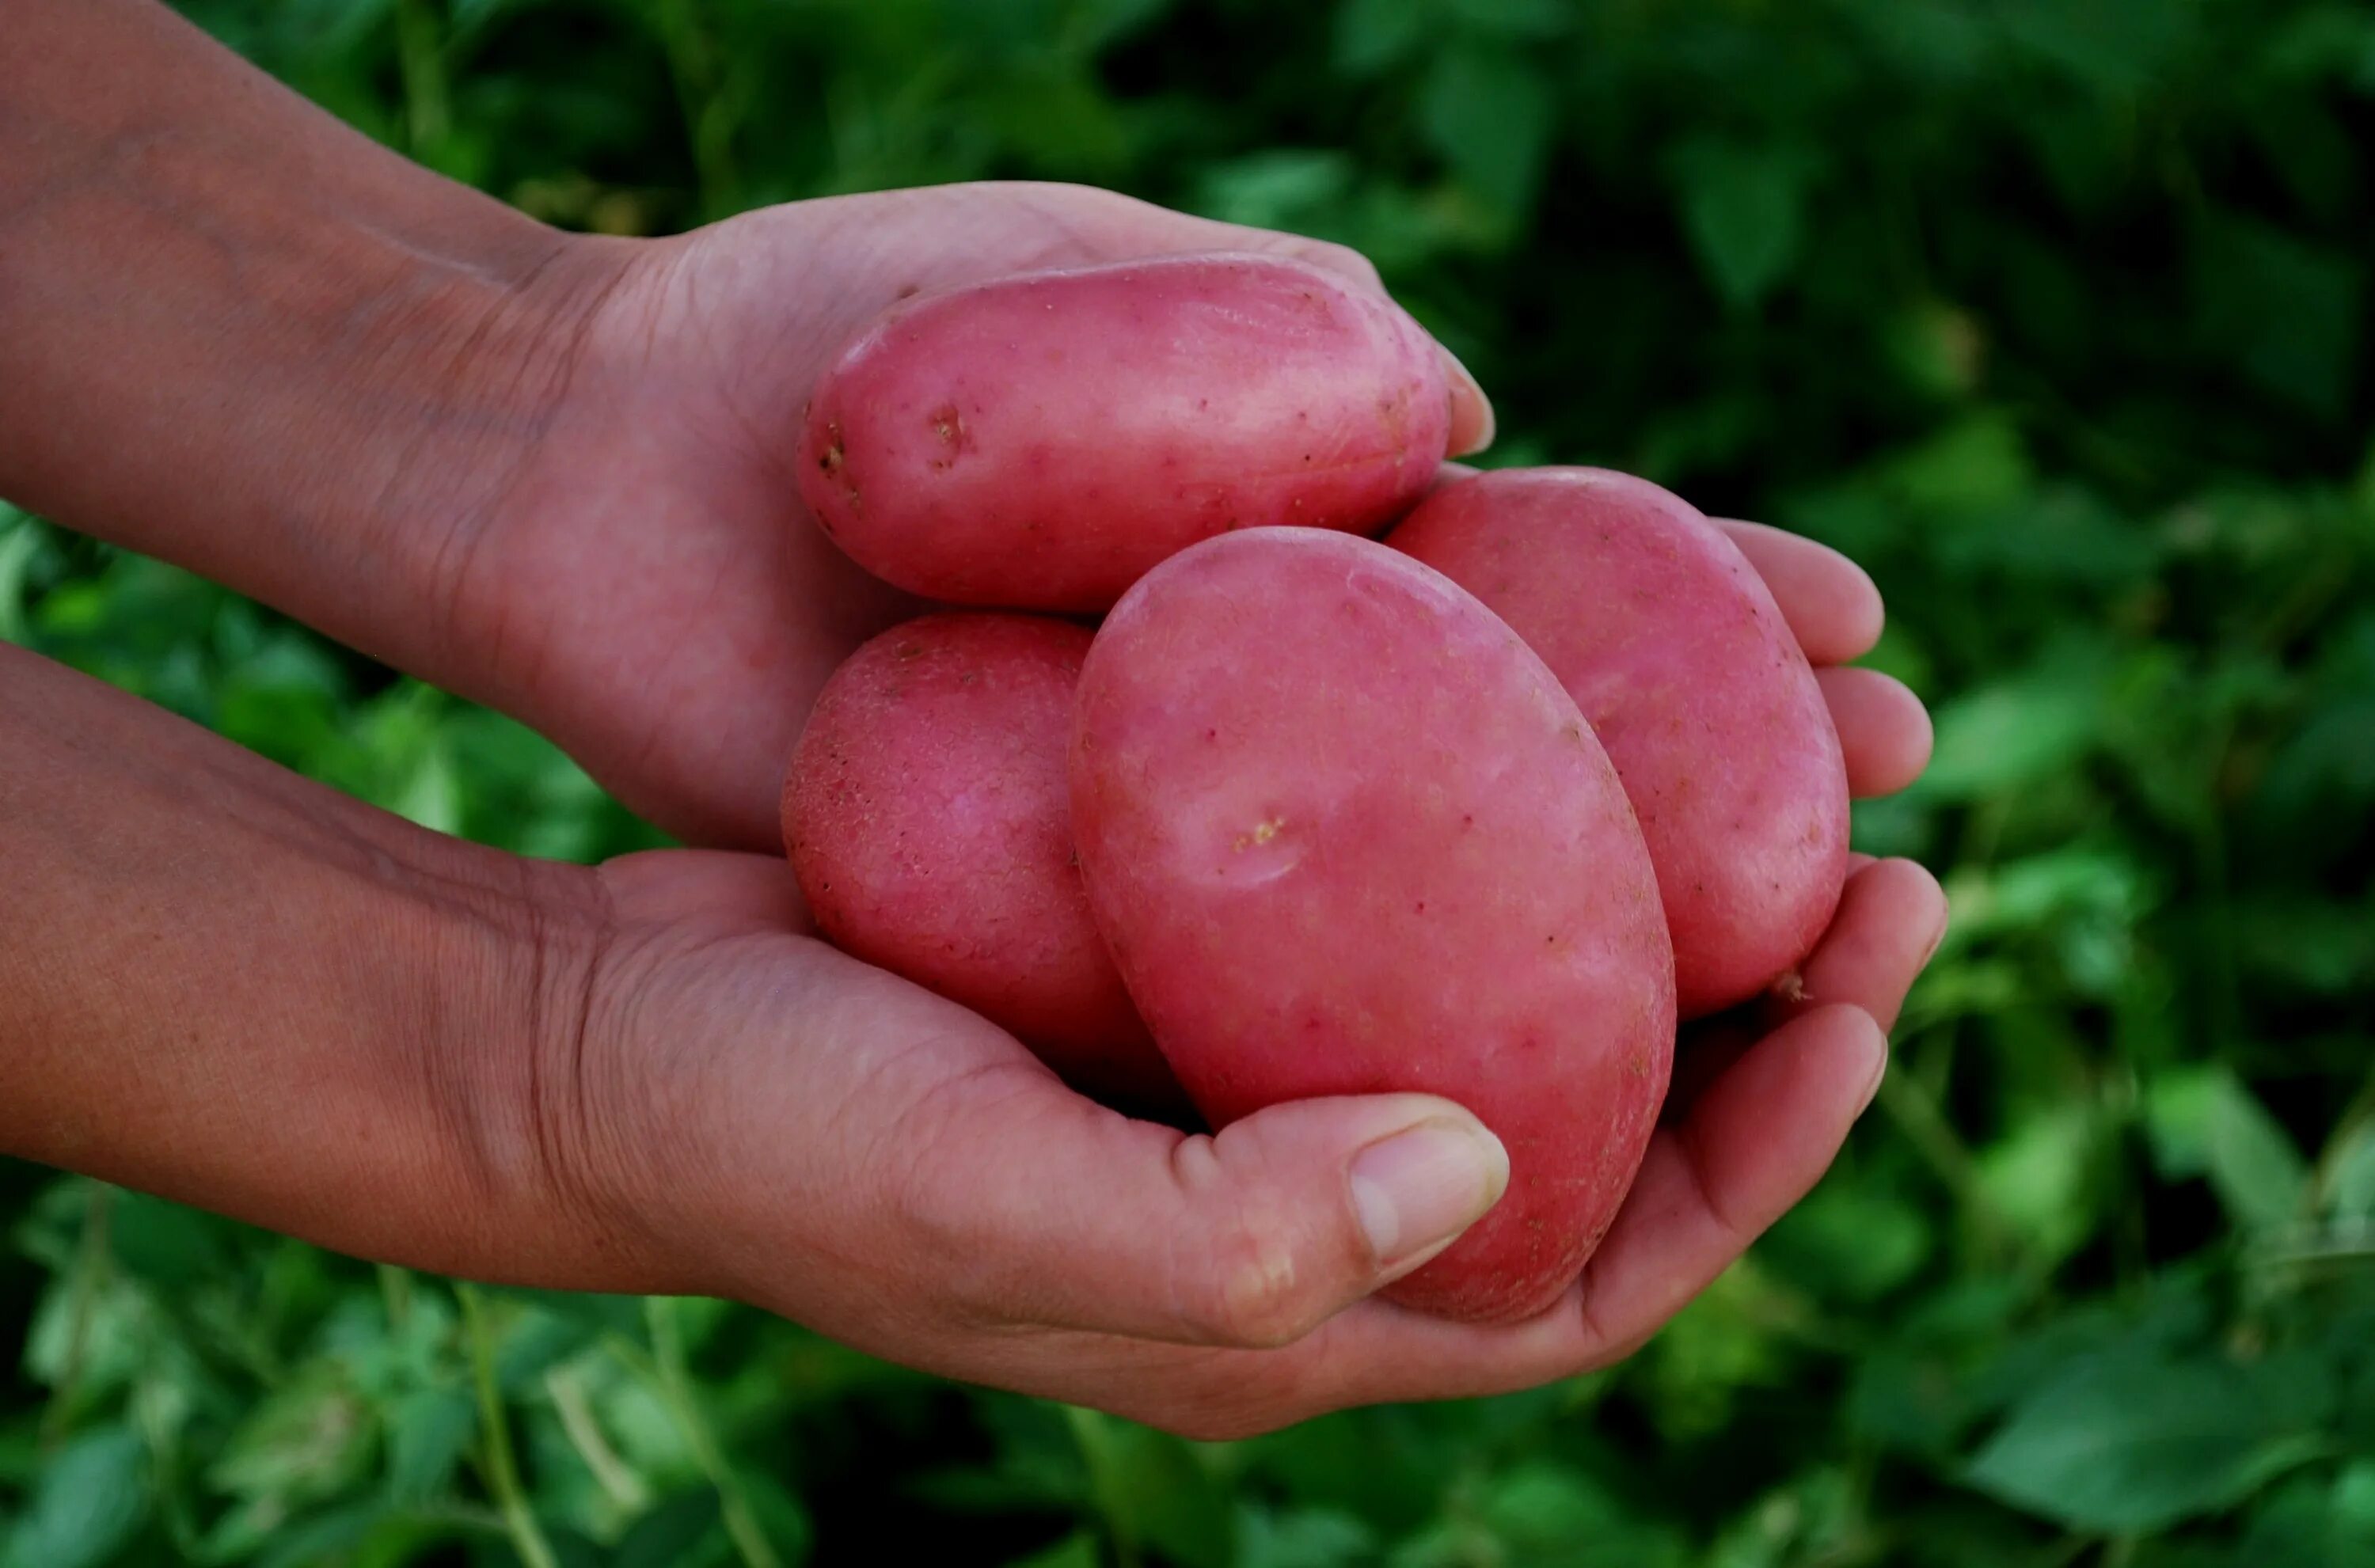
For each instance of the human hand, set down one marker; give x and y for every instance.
(644, 586)
(847, 1150)
(547, 473)
(250, 992)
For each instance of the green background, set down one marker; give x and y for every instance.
(2053, 312)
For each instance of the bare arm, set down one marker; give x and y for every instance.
(240, 336)
(224, 984)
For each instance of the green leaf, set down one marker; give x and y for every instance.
(1078, 1549)
(669, 1533)
(88, 1502)
(334, 1537)
(1374, 34)
(1743, 206)
(593, 1313)
(2289, 313)
(20, 541)
(2350, 1179)
(1491, 115)
(2205, 1122)
(1303, 1538)
(1514, 18)
(1153, 1489)
(304, 1441)
(780, 1516)
(1850, 1242)
(2138, 1444)
(2037, 1177)
(1539, 1512)
(163, 1242)
(1999, 736)
(429, 1430)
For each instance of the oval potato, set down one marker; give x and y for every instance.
(1040, 441)
(1345, 834)
(1673, 648)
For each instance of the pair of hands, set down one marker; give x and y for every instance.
(850, 1152)
(552, 473)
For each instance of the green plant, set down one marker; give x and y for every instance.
(2053, 312)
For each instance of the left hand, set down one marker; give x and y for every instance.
(644, 585)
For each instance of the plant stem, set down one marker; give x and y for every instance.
(502, 1469)
(1926, 1129)
(426, 118)
(395, 1294)
(692, 60)
(619, 1483)
(1089, 1431)
(676, 1386)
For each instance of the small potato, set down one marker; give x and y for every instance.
(1345, 834)
(1040, 441)
(1673, 647)
(925, 818)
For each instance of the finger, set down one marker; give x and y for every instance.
(1064, 1214)
(1891, 918)
(1758, 1142)
(1830, 601)
(1884, 729)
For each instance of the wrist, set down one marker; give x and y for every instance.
(236, 335)
(237, 989)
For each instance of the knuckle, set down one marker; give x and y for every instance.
(1255, 1292)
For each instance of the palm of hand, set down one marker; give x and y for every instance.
(652, 592)
(869, 1159)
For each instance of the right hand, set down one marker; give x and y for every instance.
(768, 1119)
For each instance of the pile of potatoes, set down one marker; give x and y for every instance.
(1218, 796)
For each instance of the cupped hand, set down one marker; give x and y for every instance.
(830, 1143)
(646, 587)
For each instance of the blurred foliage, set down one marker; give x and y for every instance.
(2053, 312)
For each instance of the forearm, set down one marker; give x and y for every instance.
(227, 985)
(236, 335)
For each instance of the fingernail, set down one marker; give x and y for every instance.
(1468, 406)
(1417, 1190)
(1879, 1070)
(1937, 937)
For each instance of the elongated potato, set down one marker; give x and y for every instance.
(925, 818)
(1345, 834)
(1673, 647)
(1040, 441)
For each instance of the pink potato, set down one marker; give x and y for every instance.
(1345, 834)
(1040, 441)
(925, 818)
(1673, 647)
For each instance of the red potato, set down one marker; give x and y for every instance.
(1673, 648)
(925, 818)
(1345, 834)
(1039, 442)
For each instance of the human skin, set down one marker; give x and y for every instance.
(548, 473)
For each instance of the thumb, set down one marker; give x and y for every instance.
(1078, 1218)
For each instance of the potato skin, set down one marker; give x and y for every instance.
(925, 814)
(1345, 834)
(1040, 441)
(1673, 648)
